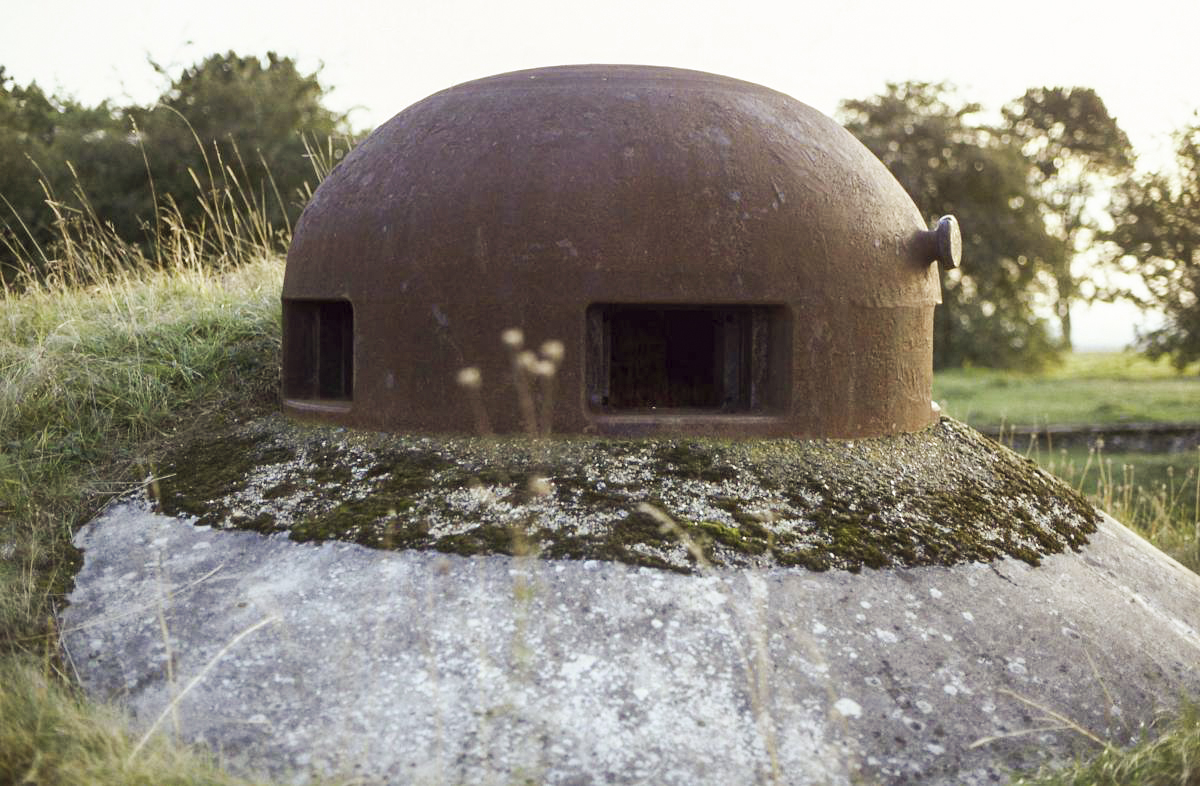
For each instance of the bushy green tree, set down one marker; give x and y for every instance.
(949, 162)
(225, 142)
(26, 132)
(236, 125)
(55, 149)
(1077, 152)
(1157, 228)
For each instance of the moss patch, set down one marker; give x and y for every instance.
(213, 470)
(938, 497)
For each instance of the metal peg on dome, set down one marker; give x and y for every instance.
(942, 244)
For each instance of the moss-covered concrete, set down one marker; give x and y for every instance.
(941, 496)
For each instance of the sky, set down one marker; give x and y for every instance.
(1142, 58)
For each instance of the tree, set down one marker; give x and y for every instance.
(54, 148)
(1157, 228)
(26, 131)
(1077, 152)
(949, 163)
(236, 125)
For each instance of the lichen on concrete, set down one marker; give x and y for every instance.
(941, 496)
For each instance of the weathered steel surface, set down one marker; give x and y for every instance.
(521, 200)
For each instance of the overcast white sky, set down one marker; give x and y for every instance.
(1143, 58)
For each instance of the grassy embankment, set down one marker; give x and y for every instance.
(102, 365)
(113, 360)
(1157, 494)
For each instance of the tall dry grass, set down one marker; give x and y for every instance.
(108, 352)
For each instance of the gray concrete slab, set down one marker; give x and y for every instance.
(419, 667)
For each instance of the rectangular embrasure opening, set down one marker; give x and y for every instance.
(718, 359)
(318, 352)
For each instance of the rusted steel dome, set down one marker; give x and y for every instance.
(715, 257)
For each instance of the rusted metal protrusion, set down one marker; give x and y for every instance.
(942, 244)
(715, 258)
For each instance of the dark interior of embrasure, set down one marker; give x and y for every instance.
(318, 351)
(718, 358)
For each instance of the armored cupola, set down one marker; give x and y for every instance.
(715, 258)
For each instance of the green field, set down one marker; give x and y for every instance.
(1087, 388)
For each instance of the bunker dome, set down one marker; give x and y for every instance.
(715, 257)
